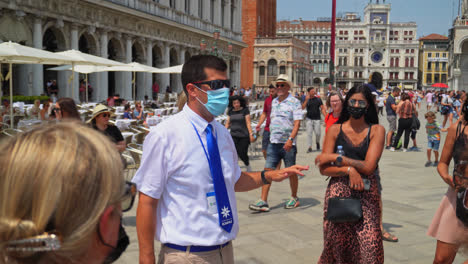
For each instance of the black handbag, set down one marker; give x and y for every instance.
(344, 210)
(416, 123)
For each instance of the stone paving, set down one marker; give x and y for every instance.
(411, 195)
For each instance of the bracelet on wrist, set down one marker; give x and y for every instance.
(349, 169)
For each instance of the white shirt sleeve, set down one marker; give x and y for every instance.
(297, 114)
(151, 177)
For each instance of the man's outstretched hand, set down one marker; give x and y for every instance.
(279, 175)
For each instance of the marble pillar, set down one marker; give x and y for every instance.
(101, 91)
(127, 91)
(73, 87)
(166, 60)
(38, 69)
(149, 62)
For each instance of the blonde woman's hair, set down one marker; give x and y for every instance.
(59, 178)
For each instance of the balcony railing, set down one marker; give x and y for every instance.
(156, 9)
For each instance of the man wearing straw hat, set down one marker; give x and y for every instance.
(189, 174)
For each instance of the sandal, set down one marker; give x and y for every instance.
(389, 237)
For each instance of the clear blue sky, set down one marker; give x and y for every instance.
(432, 16)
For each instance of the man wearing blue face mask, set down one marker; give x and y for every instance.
(189, 174)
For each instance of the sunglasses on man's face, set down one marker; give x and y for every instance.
(105, 115)
(361, 103)
(281, 85)
(129, 196)
(216, 84)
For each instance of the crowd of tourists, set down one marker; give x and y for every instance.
(63, 192)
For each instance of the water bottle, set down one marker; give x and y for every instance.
(340, 150)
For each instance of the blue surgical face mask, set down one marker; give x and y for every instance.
(217, 102)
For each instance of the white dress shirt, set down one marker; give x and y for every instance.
(175, 170)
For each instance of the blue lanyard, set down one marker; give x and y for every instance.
(203, 145)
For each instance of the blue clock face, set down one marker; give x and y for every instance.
(376, 57)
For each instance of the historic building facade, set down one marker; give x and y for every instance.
(318, 35)
(158, 33)
(282, 55)
(433, 60)
(376, 46)
(258, 20)
(458, 51)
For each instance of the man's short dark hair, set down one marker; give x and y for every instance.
(271, 86)
(396, 90)
(310, 89)
(194, 69)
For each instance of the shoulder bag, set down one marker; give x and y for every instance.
(344, 210)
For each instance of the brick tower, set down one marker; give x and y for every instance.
(258, 20)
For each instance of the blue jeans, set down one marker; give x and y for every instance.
(276, 153)
(265, 140)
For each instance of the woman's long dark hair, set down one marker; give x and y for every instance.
(371, 116)
(377, 81)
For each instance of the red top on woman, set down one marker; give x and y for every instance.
(330, 120)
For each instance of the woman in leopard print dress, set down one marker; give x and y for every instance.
(362, 139)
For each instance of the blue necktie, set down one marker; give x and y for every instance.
(222, 199)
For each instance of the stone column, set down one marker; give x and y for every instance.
(38, 70)
(165, 63)
(101, 91)
(127, 91)
(149, 62)
(73, 89)
(177, 76)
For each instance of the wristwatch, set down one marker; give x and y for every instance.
(264, 179)
(291, 138)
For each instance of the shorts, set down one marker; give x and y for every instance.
(265, 140)
(433, 144)
(391, 122)
(276, 153)
(429, 103)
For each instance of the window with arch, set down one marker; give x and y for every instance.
(172, 3)
(212, 11)
(406, 62)
(187, 6)
(320, 66)
(314, 49)
(261, 71)
(282, 70)
(412, 62)
(361, 61)
(325, 66)
(233, 11)
(200, 9)
(320, 48)
(272, 68)
(326, 50)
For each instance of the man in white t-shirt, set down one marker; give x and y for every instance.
(189, 174)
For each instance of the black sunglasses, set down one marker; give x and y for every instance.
(216, 84)
(280, 85)
(129, 196)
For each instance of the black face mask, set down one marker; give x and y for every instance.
(356, 112)
(122, 244)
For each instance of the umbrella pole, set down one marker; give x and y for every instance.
(86, 87)
(134, 82)
(11, 95)
(73, 79)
